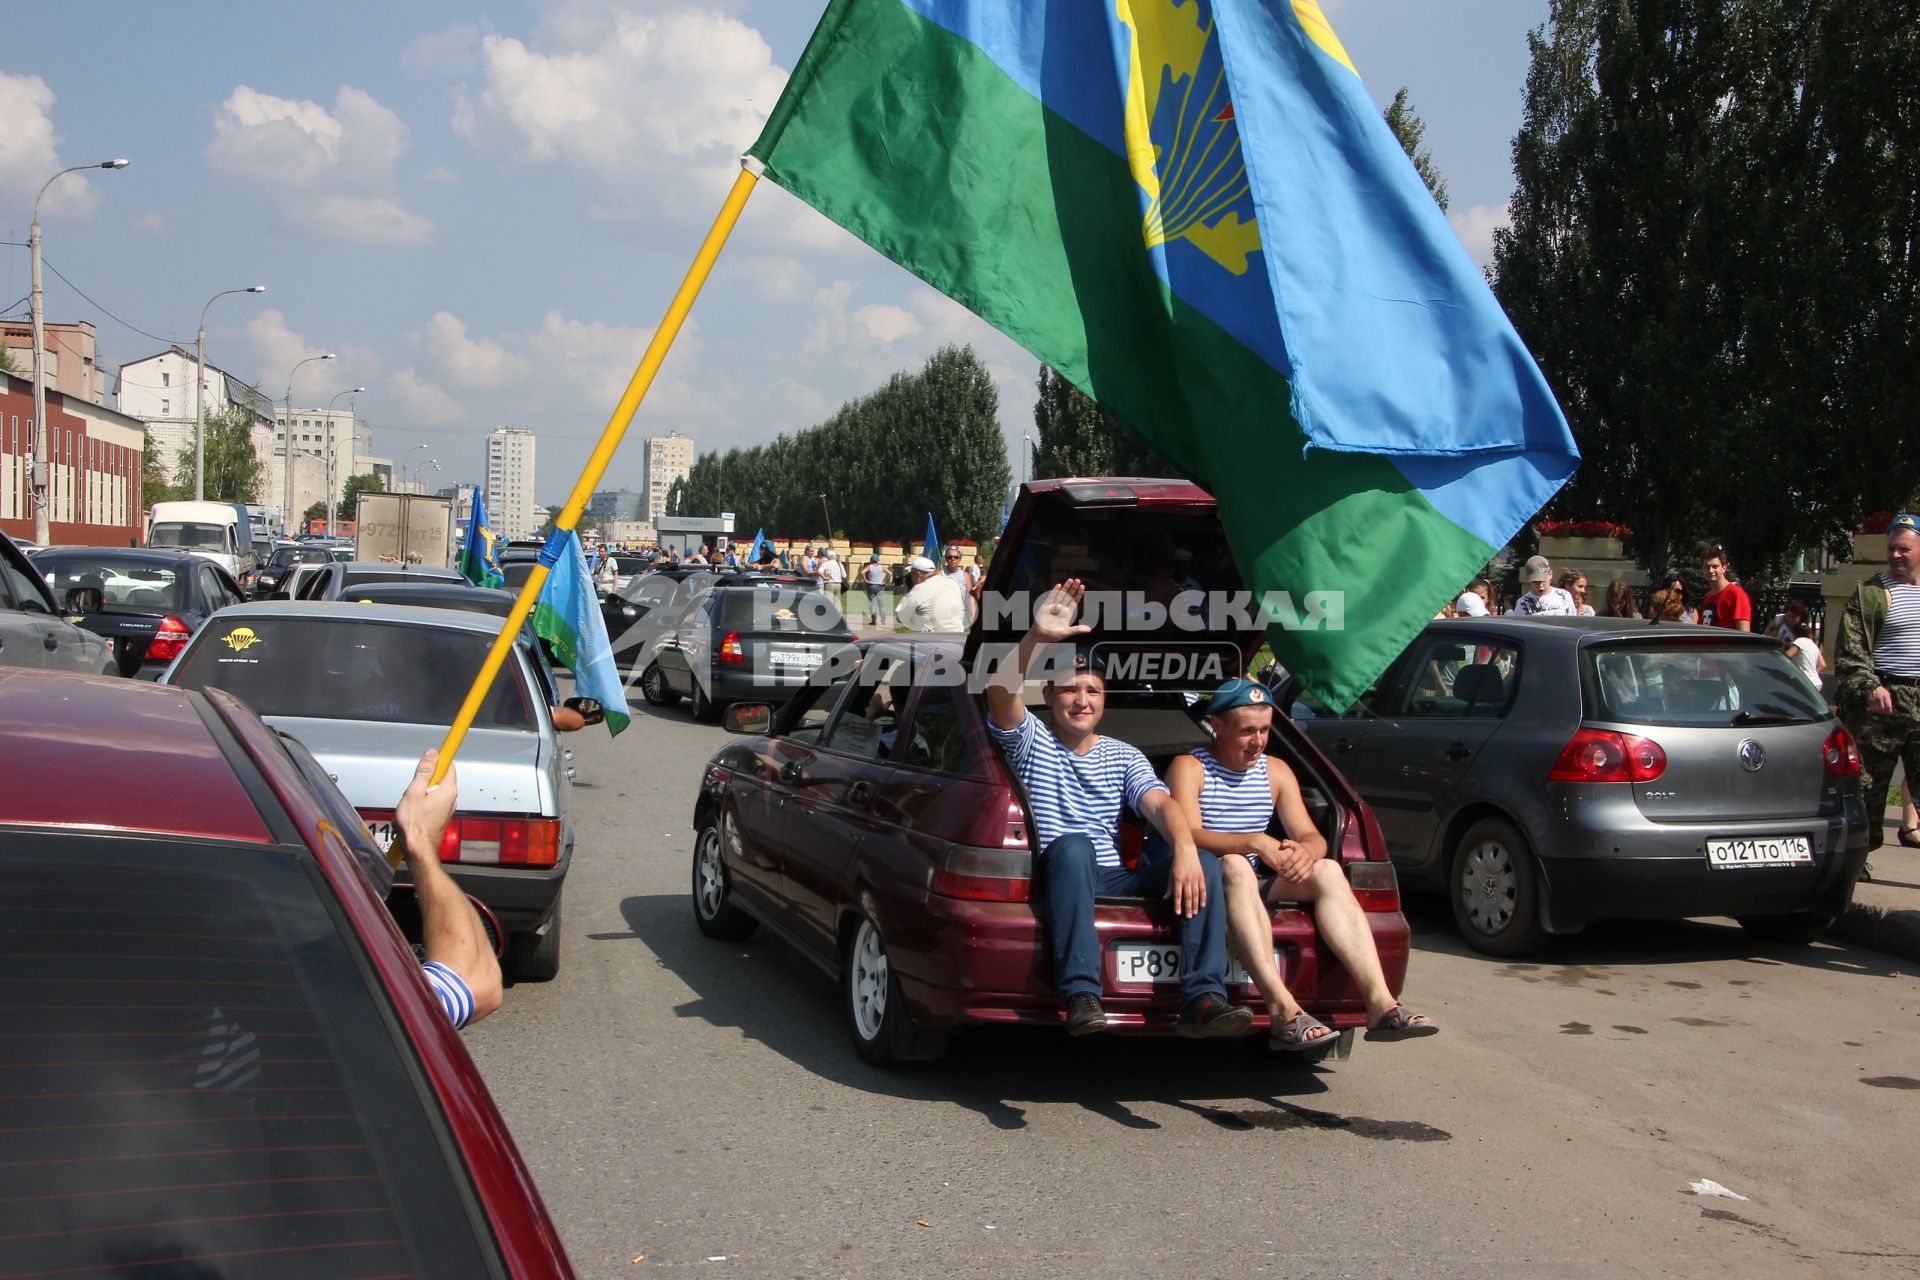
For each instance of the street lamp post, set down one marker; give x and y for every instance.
(200, 392)
(829, 518)
(404, 459)
(1026, 455)
(286, 514)
(333, 499)
(42, 453)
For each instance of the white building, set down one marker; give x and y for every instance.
(669, 458)
(158, 390)
(341, 441)
(509, 484)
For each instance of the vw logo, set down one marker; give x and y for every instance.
(1752, 756)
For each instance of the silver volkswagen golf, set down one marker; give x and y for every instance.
(1543, 772)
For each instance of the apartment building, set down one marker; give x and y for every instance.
(509, 484)
(668, 458)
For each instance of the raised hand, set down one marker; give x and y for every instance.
(1054, 613)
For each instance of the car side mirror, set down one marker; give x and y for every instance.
(82, 601)
(589, 709)
(747, 717)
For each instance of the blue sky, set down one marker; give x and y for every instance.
(485, 210)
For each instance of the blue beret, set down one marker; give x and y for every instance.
(1238, 692)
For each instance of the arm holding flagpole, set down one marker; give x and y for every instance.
(603, 452)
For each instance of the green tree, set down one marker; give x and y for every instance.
(1412, 131)
(8, 366)
(1079, 438)
(233, 471)
(1711, 257)
(350, 494)
(154, 485)
(314, 513)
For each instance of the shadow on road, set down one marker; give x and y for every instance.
(766, 991)
(1626, 943)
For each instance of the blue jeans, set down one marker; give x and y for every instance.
(1071, 882)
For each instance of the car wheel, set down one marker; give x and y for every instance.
(653, 687)
(535, 956)
(713, 909)
(705, 709)
(883, 1031)
(1496, 890)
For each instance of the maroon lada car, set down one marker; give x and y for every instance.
(875, 826)
(218, 1056)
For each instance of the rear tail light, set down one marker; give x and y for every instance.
(1602, 755)
(168, 640)
(1375, 886)
(984, 875)
(520, 842)
(1842, 757)
(730, 650)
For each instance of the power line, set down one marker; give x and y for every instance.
(83, 293)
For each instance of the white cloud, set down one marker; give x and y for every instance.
(152, 223)
(477, 364)
(451, 51)
(29, 154)
(277, 349)
(441, 176)
(330, 173)
(426, 403)
(1476, 226)
(777, 279)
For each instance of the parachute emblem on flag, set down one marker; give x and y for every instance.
(1183, 144)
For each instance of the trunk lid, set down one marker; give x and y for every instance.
(1166, 601)
(1743, 733)
(500, 770)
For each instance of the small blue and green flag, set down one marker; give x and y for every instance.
(567, 616)
(1194, 212)
(476, 560)
(930, 547)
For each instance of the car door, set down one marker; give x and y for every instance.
(1445, 699)
(23, 641)
(683, 650)
(1339, 734)
(833, 796)
(764, 803)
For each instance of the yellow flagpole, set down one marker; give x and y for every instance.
(603, 453)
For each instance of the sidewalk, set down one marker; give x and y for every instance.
(1885, 915)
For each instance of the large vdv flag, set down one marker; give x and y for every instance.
(476, 560)
(567, 616)
(1193, 210)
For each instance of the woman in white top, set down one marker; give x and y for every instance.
(1230, 792)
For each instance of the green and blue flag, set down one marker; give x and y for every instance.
(567, 616)
(1193, 211)
(476, 561)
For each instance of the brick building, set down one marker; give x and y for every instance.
(95, 454)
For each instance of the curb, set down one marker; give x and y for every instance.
(1894, 933)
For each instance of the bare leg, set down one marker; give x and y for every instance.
(1343, 925)
(1250, 935)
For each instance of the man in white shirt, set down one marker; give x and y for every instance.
(833, 574)
(1543, 599)
(934, 603)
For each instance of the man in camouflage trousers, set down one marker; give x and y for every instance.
(1877, 671)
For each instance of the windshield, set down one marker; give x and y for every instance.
(352, 669)
(130, 583)
(198, 537)
(206, 1074)
(299, 555)
(1693, 684)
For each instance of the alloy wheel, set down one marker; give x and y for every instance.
(870, 978)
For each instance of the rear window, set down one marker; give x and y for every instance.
(770, 608)
(360, 577)
(299, 555)
(200, 1078)
(350, 669)
(1695, 684)
(121, 582)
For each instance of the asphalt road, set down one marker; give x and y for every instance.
(688, 1105)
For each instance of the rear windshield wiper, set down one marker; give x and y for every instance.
(1759, 718)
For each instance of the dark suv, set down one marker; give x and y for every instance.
(755, 643)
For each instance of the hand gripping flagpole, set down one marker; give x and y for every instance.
(750, 170)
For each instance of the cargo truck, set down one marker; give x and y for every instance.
(404, 528)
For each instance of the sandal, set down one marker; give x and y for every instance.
(1910, 837)
(1297, 1035)
(1402, 1023)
